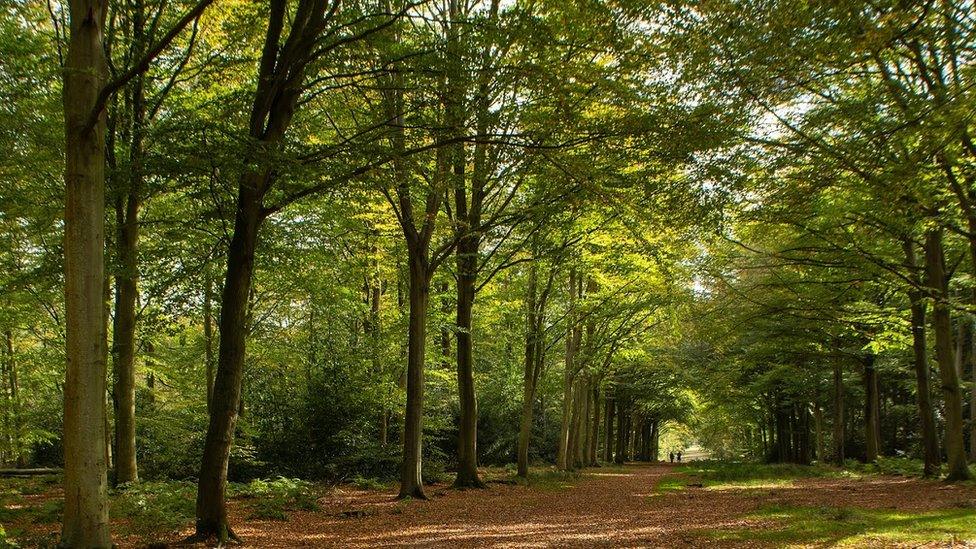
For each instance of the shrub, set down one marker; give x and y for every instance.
(155, 507)
(272, 499)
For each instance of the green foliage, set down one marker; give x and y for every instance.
(369, 483)
(553, 479)
(154, 507)
(7, 542)
(901, 466)
(272, 499)
(717, 474)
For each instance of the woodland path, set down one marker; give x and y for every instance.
(611, 507)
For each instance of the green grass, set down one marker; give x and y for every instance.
(671, 483)
(849, 526)
(551, 479)
(717, 475)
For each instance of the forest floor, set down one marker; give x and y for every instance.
(639, 505)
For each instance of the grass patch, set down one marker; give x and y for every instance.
(551, 479)
(718, 475)
(847, 526)
(669, 484)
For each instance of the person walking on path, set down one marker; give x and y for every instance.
(671, 456)
(679, 456)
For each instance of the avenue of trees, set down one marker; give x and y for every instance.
(402, 239)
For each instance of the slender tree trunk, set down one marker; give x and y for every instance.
(818, 429)
(592, 459)
(123, 355)
(619, 458)
(208, 340)
(803, 424)
(127, 276)
(923, 394)
(784, 447)
(655, 440)
(972, 410)
(838, 435)
(563, 460)
(871, 410)
(528, 372)
(467, 475)
(937, 282)
(16, 436)
(211, 507)
(85, 519)
(8, 451)
(469, 232)
(572, 444)
(375, 336)
(628, 435)
(608, 442)
(411, 478)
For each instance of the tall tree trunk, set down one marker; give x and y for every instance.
(127, 276)
(591, 456)
(628, 432)
(572, 445)
(281, 75)
(923, 394)
(784, 448)
(467, 475)
(528, 371)
(123, 355)
(8, 451)
(655, 440)
(937, 282)
(208, 340)
(563, 460)
(871, 411)
(838, 426)
(818, 429)
(16, 436)
(972, 410)
(803, 424)
(469, 231)
(211, 509)
(411, 478)
(608, 443)
(583, 439)
(85, 519)
(619, 458)
(375, 337)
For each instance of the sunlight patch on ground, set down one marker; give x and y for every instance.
(610, 475)
(795, 526)
(756, 484)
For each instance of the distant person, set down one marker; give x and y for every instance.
(679, 456)
(671, 457)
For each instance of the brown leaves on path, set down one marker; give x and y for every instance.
(613, 507)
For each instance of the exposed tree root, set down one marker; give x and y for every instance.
(416, 492)
(468, 482)
(222, 533)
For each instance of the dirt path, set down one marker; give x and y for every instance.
(608, 508)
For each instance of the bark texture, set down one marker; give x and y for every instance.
(923, 392)
(85, 519)
(937, 283)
